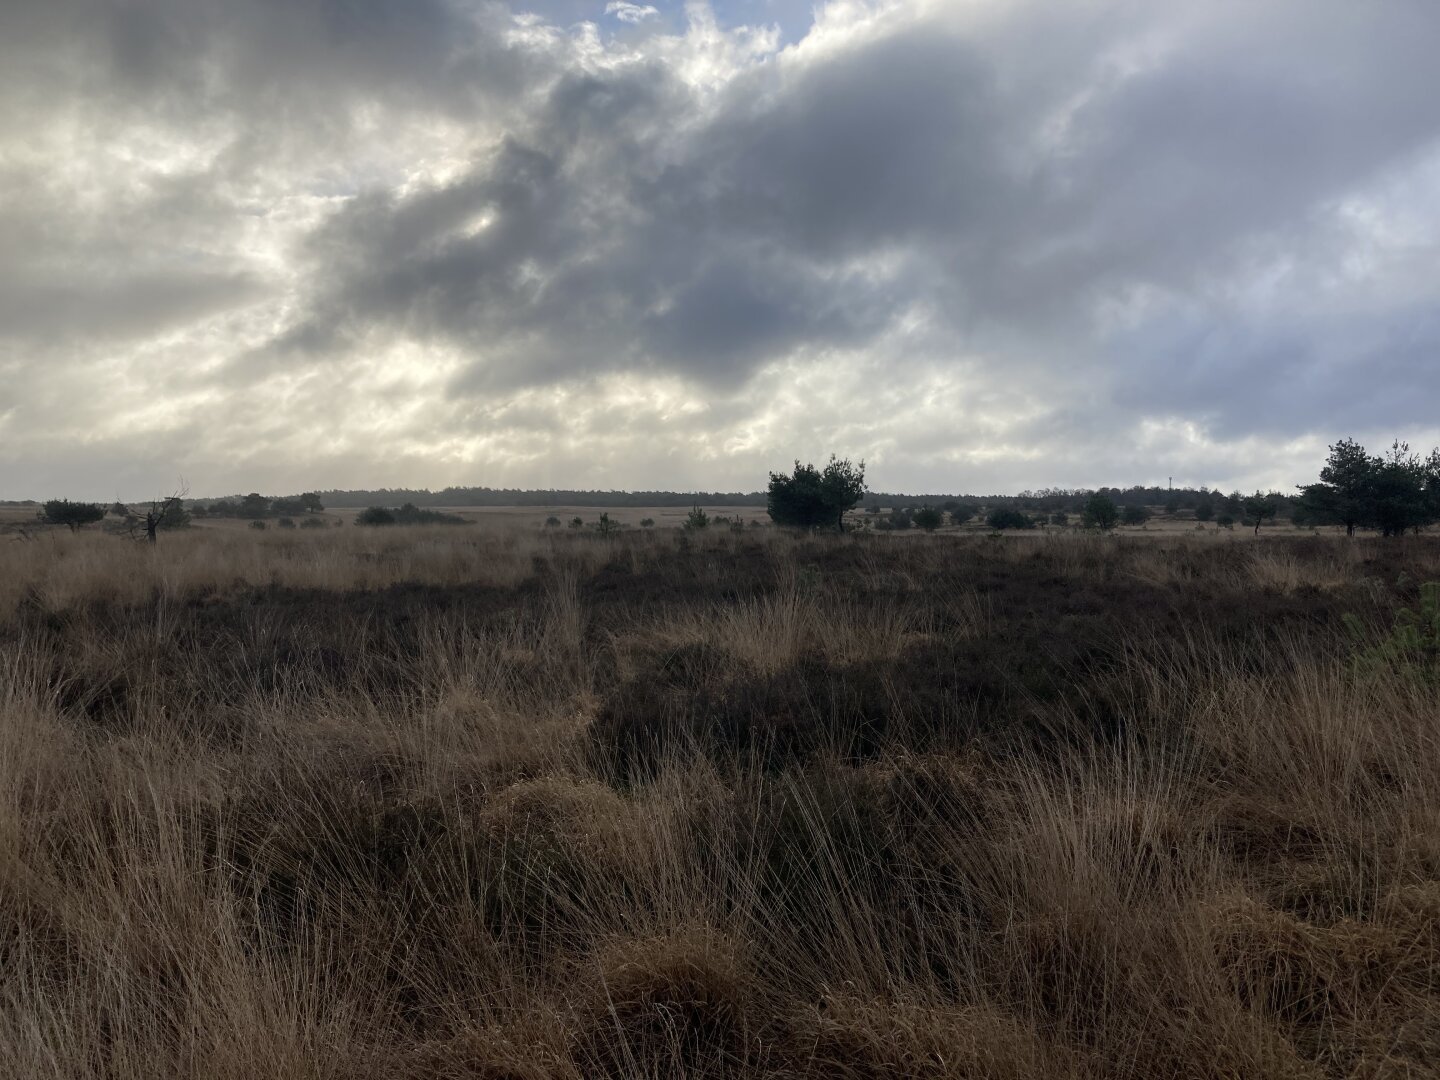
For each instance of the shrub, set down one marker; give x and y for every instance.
(409, 514)
(552, 522)
(285, 523)
(961, 514)
(647, 523)
(1412, 647)
(696, 519)
(258, 525)
(577, 522)
(1059, 517)
(1225, 521)
(311, 523)
(375, 515)
(1134, 515)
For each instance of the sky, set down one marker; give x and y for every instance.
(985, 245)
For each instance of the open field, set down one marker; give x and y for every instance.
(497, 802)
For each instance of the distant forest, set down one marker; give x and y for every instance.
(1049, 499)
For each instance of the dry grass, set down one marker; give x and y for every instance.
(499, 803)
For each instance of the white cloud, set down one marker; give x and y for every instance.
(631, 13)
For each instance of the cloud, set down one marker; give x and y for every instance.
(631, 13)
(980, 241)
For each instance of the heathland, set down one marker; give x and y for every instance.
(512, 802)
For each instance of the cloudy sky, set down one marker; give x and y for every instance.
(984, 244)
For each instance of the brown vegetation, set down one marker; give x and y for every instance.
(509, 804)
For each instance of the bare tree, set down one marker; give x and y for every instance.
(162, 511)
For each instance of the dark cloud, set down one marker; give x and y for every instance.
(1117, 219)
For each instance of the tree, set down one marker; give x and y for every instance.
(71, 514)
(1258, 509)
(166, 513)
(1399, 500)
(311, 502)
(606, 526)
(928, 518)
(1100, 512)
(812, 498)
(1204, 509)
(253, 505)
(1059, 517)
(1134, 515)
(961, 513)
(696, 519)
(1008, 519)
(1344, 495)
(1394, 493)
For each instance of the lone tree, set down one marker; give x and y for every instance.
(1259, 508)
(1135, 515)
(813, 498)
(1100, 512)
(72, 514)
(166, 513)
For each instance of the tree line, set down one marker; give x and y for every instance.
(1392, 493)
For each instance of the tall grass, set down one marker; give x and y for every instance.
(422, 804)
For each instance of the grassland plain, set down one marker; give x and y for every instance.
(501, 803)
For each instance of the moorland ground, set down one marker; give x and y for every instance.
(442, 803)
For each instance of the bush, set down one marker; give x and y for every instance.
(285, 523)
(1059, 517)
(552, 522)
(577, 522)
(311, 523)
(961, 514)
(1225, 521)
(409, 514)
(696, 519)
(647, 523)
(375, 515)
(1134, 515)
(258, 525)
(1008, 519)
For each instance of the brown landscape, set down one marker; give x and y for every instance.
(438, 803)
